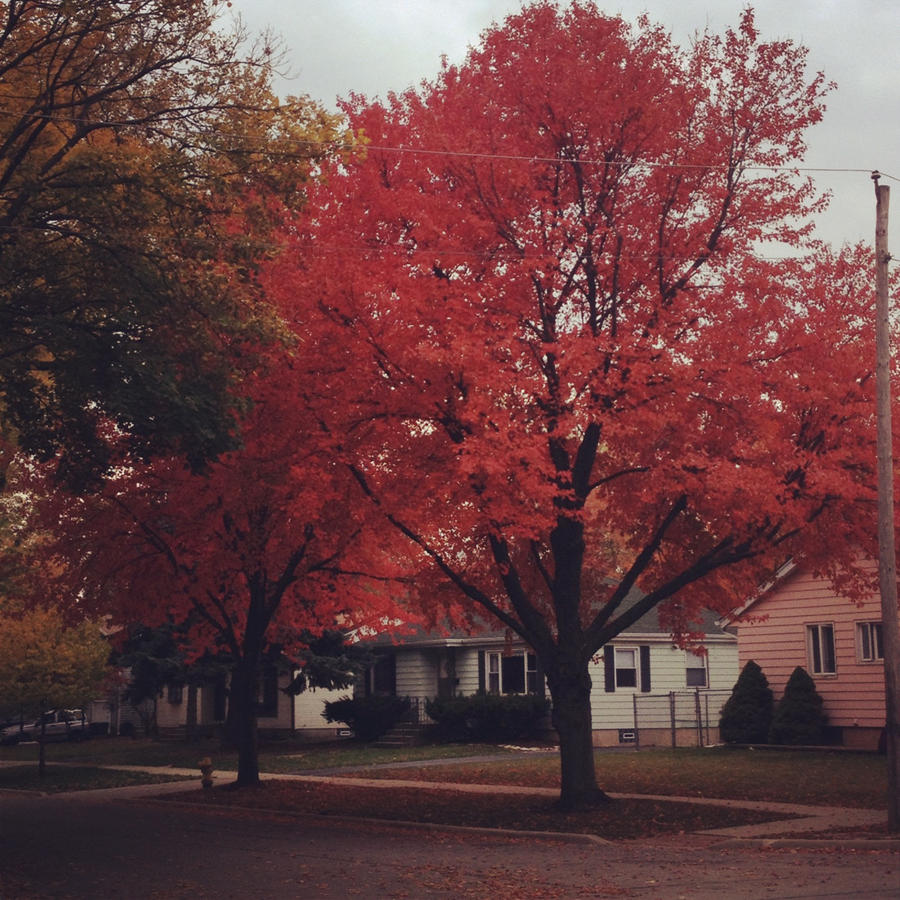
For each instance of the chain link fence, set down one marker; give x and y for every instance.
(678, 719)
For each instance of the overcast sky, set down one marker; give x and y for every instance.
(335, 47)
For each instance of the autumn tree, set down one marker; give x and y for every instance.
(48, 661)
(249, 558)
(582, 367)
(129, 131)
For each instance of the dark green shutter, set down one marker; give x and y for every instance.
(540, 687)
(645, 669)
(481, 685)
(609, 668)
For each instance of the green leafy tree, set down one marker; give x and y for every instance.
(747, 714)
(129, 132)
(48, 662)
(799, 717)
(153, 660)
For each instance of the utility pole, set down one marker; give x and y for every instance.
(887, 555)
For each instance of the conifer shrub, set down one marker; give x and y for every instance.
(367, 717)
(799, 717)
(488, 717)
(747, 714)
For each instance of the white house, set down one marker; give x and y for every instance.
(645, 689)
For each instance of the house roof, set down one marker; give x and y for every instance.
(785, 570)
(492, 632)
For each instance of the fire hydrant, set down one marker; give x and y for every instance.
(206, 770)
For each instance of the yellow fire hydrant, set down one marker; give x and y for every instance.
(206, 770)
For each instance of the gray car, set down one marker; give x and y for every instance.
(54, 725)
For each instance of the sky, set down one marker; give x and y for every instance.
(337, 47)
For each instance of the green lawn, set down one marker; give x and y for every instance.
(282, 757)
(57, 779)
(828, 778)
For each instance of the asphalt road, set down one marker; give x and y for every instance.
(74, 847)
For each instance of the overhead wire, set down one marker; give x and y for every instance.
(345, 145)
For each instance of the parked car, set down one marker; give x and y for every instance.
(54, 725)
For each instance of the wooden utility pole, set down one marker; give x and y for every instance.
(887, 555)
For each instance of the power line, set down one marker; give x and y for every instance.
(344, 145)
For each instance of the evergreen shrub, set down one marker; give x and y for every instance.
(367, 717)
(799, 717)
(488, 717)
(747, 714)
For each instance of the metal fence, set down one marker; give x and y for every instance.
(679, 718)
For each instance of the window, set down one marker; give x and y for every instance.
(695, 670)
(868, 641)
(493, 684)
(820, 646)
(514, 673)
(626, 667)
(175, 693)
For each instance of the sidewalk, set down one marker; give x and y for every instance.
(812, 819)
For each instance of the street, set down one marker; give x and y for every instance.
(75, 846)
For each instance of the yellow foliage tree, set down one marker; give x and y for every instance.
(48, 662)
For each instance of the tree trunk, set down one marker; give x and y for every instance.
(572, 720)
(242, 715)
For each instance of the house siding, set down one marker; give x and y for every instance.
(417, 673)
(467, 671)
(283, 720)
(309, 707)
(615, 711)
(612, 712)
(776, 639)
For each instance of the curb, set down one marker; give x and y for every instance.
(892, 844)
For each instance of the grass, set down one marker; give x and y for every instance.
(283, 756)
(58, 779)
(819, 778)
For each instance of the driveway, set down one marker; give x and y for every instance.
(78, 845)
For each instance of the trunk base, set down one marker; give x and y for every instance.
(584, 800)
(240, 785)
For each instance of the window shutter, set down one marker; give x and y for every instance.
(539, 678)
(481, 679)
(645, 669)
(609, 668)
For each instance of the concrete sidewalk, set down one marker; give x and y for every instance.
(812, 819)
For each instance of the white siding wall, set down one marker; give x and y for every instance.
(467, 671)
(668, 672)
(722, 665)
(309, 706)
(169, 715)
(417, 673)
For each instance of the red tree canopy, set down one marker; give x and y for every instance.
(252, 552)
(585, 364)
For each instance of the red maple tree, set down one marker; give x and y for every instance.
(251, 554)
(580, 368)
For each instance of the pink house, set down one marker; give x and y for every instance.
(800, 621)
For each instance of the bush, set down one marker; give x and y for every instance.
(747, 714)
(488, 717)
(798, 718)
(367, 717)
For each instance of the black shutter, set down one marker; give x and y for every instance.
(540, 687)
(609, 668)
(645, 669)
(481, 685)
